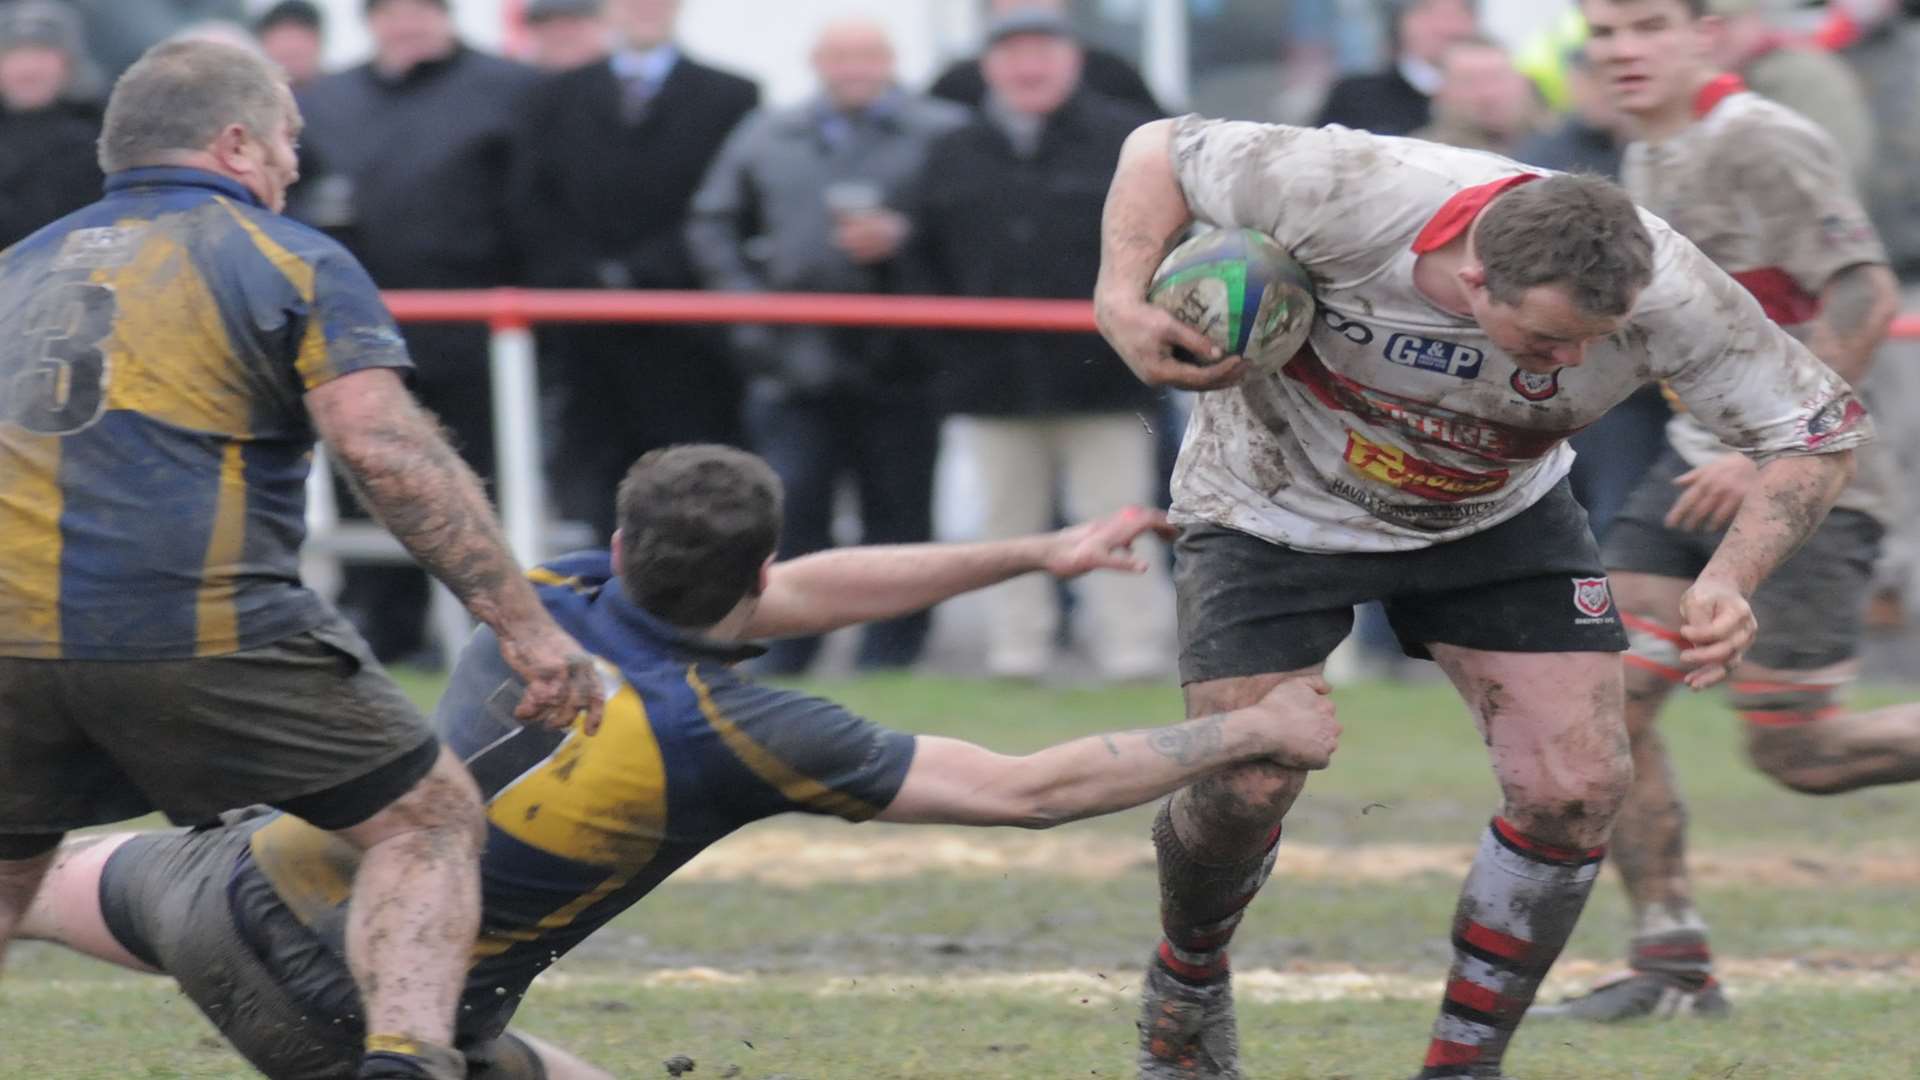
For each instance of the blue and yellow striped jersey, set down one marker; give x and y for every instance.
(154, 444)
(580, 828)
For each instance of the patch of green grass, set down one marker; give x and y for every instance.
(1411, 771)
(898, 1029)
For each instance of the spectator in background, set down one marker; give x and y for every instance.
(612, 155)
(1483, 102)
(118, 31)
(1621, 446)
(1010, 206)
(48, 166)
(292, 34)
(566, 34)
(1811, 81)
(801, 200)
(1590, 138)
(408, 159)
(1399, 100)
(1103, 72)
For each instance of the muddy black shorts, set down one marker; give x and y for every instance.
(1812, 611)
(310, 723)
(166, 898)
(1531, 584)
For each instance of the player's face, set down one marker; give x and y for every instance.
(1649, 55)
(274, 162)
(1545, 331)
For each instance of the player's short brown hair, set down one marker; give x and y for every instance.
(696, 524)
(181, 95)
(1581, 232)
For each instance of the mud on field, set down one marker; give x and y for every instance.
(1814, 973)
(797, 858)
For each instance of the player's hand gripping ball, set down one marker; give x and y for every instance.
(1242, 290)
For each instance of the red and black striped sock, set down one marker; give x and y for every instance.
(1201, 904)
(1679, 955)
(1517, 909)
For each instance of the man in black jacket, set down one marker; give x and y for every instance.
(1400, 99)
(1010, 206)
(1101, 71)
(613, 154)
(407, 165)
(47, 166)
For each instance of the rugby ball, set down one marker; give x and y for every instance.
(1241, 289)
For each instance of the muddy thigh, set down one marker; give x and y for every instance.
(1555, 730)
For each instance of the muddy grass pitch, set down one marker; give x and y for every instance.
(805, 949)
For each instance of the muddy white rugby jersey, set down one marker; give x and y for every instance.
(1766, 195)
(1401, 425)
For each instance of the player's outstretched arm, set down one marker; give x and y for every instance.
(426, 496)
(1145, 209)
(817, 594)
(958, 783)
(1791, 499)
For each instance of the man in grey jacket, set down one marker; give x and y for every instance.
(803, 199)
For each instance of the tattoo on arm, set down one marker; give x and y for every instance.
(1112, 747)
(1192, 742)
(430, 500)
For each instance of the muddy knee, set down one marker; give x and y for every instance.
(1575, 804)
(1798, 757)
(1232, 813)
(1787, 736)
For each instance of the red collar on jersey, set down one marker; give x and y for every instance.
(1458, 213)
(1715, 92)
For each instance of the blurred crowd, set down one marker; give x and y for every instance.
(614, 159)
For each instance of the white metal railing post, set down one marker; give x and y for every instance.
(520, 479)
(321, 567)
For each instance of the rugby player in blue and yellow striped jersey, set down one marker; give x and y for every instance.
(168, 357)
(248, 917)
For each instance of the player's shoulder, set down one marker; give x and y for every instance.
(1749, 130)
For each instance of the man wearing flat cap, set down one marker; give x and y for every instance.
(1008, 206)
(47, 129)
(564, 35)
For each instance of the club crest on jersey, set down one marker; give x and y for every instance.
(1836, 416)
(1535, 387)
(1443, 357)
(1593, 598)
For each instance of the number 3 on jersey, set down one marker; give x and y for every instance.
(53, 380)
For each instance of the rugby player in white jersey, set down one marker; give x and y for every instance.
(1766, 195)
(1473, 314)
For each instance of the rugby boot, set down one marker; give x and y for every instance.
(1187, 1031)
(1640, 995)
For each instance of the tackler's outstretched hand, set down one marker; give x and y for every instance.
(1105, 543)
(1718, 621)
(1151, 342)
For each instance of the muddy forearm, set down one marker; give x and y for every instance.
(1792, 499)
(1145, 208)
(431, 502)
